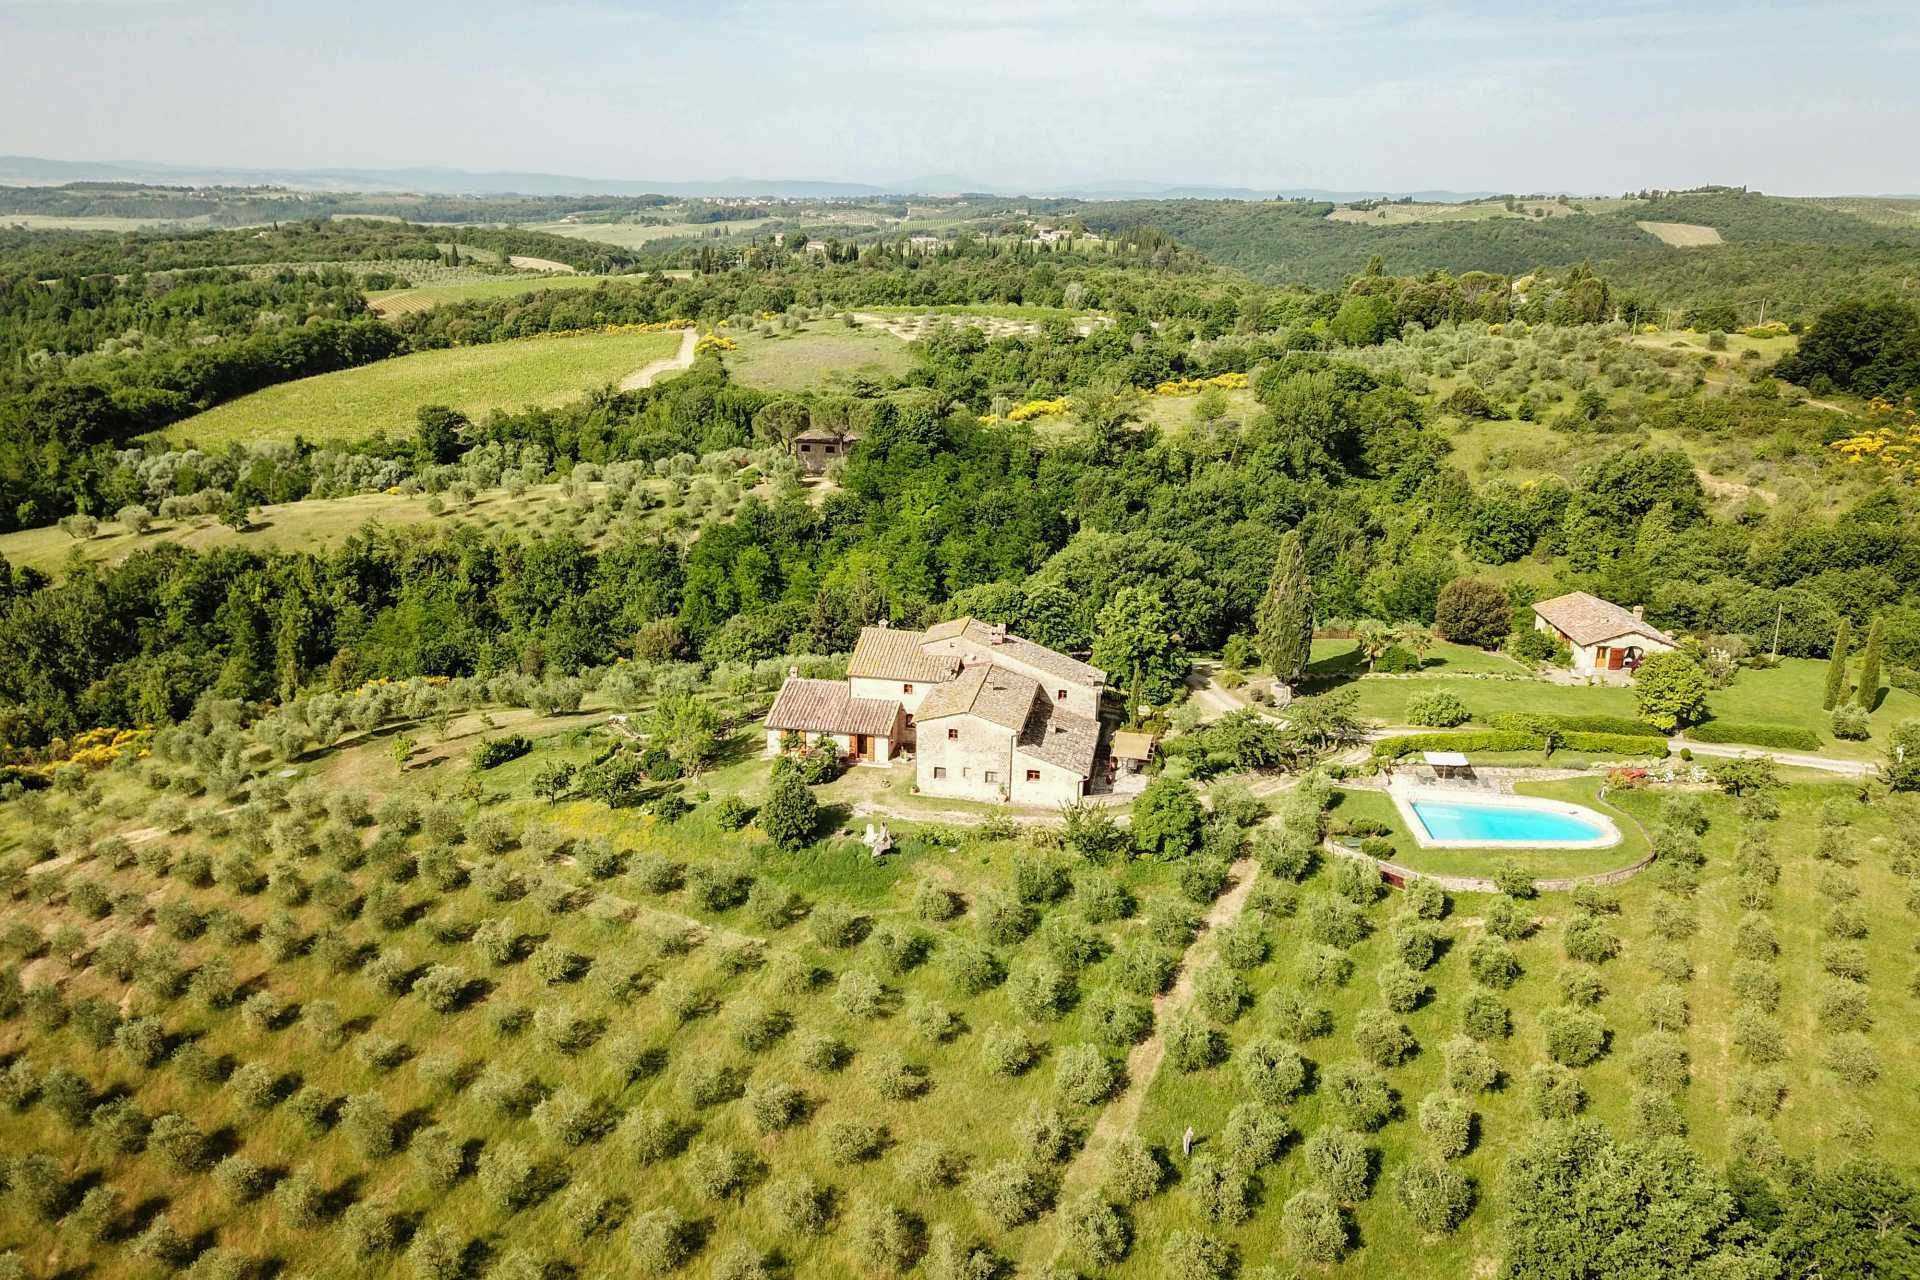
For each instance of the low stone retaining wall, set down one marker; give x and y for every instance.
(1398, 876)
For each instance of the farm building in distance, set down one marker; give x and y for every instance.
(988, 715)
(817, 448)
(1604, 637)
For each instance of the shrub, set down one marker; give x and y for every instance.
(650, 1135)
(799, 1204)
(1758, 1037)
(1658, 1060)
(1222, 1190)
(1004, 920)
(931, 1166)
(1040, 991)
(1255, 1134)
(1361, 1095)
(1007, 1051)
(1340, 1161)
(1048, 1134)
(791, 813)
(1271, 1071)
(1116, 1020)
(1852, 1060)
(1505, 918)
(1129, 1171)
(1294, 1017)
(1095, 1229)
(719, 1171)
(1448, 1124)
(1574, 1037)
(1221, 993)
(1007, 1193)
(1850, 723)
(1473, 611)
(1315, 1228)
(1192, 1045)
(660, 1241)
(852, 1141)
(894, 1078)
(1555, 1092)
(1382, 1039)
(1434, 1196)
(1437, 709)
(1401, 988)
(859, 994)
(1782, 737)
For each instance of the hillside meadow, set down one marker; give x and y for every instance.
(384, 396)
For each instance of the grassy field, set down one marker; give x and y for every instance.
(314, 524)
(62, 222)
(821, 353)
(632, 235)
(393, 302)
(356, 402)
(1681, 235)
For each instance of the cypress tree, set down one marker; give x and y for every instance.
(1869, 686)
(1837, 665)
(1283, 624)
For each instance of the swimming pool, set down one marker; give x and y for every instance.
(1443, 818)
(1486, 824)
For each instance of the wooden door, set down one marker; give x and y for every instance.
(863, 746)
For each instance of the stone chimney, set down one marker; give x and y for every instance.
(1640, 612)
(884, 622)
(998, 633)
(793, 673)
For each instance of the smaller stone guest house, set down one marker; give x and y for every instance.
(990, 716)
(1603, 636)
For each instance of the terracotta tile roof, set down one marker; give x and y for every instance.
(1038, 656)
(1587, 619)
(995, 694)
(882, 653)
(827, 706)
(1060, 738)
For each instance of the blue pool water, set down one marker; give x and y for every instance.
(1492, 824)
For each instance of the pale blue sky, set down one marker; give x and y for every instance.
(1791, 98)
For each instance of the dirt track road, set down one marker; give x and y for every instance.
(647, 374)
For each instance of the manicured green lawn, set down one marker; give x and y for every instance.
(1788, 694)
(1791, 694)
(354, 403)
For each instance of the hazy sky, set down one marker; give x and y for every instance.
(1596, 97)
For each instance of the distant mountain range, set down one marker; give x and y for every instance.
(34, 171)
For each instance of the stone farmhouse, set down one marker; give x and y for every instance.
(1604, 637)
(987, 715)
(817, 448)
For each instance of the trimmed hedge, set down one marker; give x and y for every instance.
(1786, 737)
(1616, 744)
(1619, 726)
(1619, 744)
(1471, 740)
